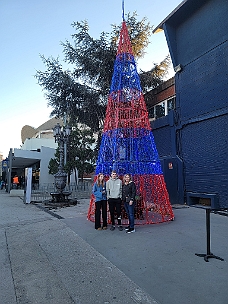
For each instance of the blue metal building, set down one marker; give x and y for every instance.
(194, 137)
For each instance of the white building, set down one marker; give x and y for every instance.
(38, 147)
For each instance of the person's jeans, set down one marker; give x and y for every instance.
(115, 205)
(98, 206)
(130, 213)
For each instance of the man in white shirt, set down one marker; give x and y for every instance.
(114, 196)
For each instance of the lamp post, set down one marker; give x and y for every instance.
(61, 135)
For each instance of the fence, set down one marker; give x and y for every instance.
(42, 191)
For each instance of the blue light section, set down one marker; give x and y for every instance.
(125, 74)
(135, 168)
(128, 150)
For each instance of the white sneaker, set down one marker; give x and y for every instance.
(130, 230)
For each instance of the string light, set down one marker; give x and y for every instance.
(128, 145)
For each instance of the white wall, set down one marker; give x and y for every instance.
(26, 154)
(37, 143)
(46, 155)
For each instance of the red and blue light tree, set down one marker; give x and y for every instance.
(128, 145)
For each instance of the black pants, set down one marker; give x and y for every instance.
(115, 205)
(98, 206)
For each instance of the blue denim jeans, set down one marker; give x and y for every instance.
(130, 213)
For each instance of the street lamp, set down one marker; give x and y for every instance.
(61, 135)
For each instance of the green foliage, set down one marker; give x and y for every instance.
(53, 166)
(82, 91)
(154, 77)
(139, 32)
(93, 59)
(66, 95)
(54, 163)
(80, 153)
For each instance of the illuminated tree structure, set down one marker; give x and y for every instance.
(128, 145)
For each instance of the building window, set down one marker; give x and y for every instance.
(162, 108)
(171, 104)
(151, 113)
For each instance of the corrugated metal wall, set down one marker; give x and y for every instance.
(198, 42)
(203, 83)
(203, 148)
(162, 137)
(201, 125)
(204, 151)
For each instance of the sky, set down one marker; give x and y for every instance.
(30, 28)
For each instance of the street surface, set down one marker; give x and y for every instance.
(45, 259)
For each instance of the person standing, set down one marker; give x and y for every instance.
(114, 195)
(129, 193)
(99, 191)
(15, 182)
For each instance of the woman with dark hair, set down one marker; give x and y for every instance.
(129, 192)
(99, 191)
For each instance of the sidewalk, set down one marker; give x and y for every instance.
(44, 259)
(161, 258)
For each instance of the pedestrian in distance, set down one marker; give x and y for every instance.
(2, 184)
(129, 193)
(15, 182)
(114, 195)
(99, 191)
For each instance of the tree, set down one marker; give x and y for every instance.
(153, 78)
(80, 153)
(82, 91)
(54, 164)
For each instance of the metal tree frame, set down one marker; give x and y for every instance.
(127, 144)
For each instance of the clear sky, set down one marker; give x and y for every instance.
(29, 28)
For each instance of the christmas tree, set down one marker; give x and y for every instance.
(128, 145)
